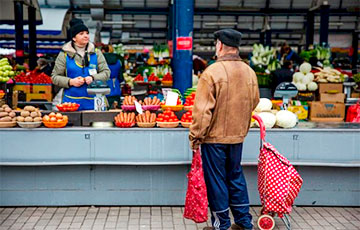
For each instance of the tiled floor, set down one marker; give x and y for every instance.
(159, 218)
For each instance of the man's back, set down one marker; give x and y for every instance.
(227, 94)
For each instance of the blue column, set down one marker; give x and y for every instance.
(182, 59)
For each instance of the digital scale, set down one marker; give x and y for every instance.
(286, 91)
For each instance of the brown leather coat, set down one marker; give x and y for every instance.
(226, 95)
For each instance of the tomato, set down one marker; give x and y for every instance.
(59, 116)
(166, 117)
(52, 114)
(160, 119)
(171, 120)
(161, 115)
(53, 119)
(65, 118)
(173, 116)
(60, 121)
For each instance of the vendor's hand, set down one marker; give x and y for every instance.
(88, 80)
(77, 82)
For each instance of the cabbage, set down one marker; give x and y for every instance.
(305, 68)
(286, 119)
(312, 86)
(301, 86)
(310, 76)
(264, 105)
(268, 119)
(298, 76)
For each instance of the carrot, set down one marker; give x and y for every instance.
(157, 101)
(153, 117)
(132, 117)
(121, 117)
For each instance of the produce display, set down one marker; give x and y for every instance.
(125, 120)
(150, 103)
(55, 120)
(33, 77)
(68, 107)
(139, 78)
(167, 80)
(189, 101)
(2, 94)
(272, 118)
(168, 119)
(329, 75)
(186, 119)
(304, 80)
(178, 107)
(146, 120)
(153, 78)
(265, 57)
(7, 117)
(161, 51)
(29, 114)
(323, 54)
(6, 71)
(129, 103)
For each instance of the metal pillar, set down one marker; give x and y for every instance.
(355, 47)
(324, 24)
(268, 38)
(32, 37)
(19, 32)
(310, 29)
(183, 31)
(262, 38)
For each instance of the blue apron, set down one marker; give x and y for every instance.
(288, 57)
(79, 94)
(114, 82)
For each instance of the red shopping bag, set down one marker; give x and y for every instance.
(196, 202)
(353, 113)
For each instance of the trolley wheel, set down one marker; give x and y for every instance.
(266, 222)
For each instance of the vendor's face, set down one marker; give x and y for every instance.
(82, 38)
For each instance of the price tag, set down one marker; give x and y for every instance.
(138, 107)
(171, 98)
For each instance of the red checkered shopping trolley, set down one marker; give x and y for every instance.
(278, 183)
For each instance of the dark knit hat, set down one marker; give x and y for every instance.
(77, 26)
(229, 37)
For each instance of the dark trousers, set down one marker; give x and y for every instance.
(226, 185)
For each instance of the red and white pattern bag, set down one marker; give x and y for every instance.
(196, 202)
(278, 181)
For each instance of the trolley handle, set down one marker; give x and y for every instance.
(262, 126)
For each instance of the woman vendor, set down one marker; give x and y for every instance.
(77, 65)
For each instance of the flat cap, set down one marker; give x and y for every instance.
(229, 37)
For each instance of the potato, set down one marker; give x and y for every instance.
(39, 114)
(5, 119)
(14, 119)
(34, 114)
(29, 108)
(8, 109)
(28, 119)
(12, 114)
(37, 119)
(4, 106)
(25, 113)
(2, 110)
(4, 114)
(21, 119)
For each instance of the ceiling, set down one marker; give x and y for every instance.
(146, 21)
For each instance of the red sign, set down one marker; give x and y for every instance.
(184, 43)
(19, 53)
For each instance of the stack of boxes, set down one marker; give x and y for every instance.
(331, 106)
(35, 92)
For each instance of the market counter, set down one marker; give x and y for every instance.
(137, 166)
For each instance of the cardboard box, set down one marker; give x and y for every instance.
(327, 112)
(331, 97)
(355, 95)
(325, 87)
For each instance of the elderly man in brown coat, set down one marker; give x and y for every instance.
(227, 94)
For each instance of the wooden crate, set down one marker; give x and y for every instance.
(38, 97)
(41, 88)
(26, 88)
